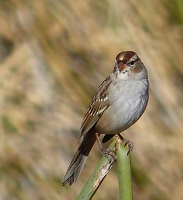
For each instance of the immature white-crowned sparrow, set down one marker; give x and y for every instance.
(118, 103)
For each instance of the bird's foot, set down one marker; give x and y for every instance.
(109, 154)
(129, 145)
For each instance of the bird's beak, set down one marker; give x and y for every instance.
(120, 66)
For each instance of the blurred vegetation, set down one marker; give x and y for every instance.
(175, 9)
(53, 55)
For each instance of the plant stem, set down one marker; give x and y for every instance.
(124, 171)
(97, 177)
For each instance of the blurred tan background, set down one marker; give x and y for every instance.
(53, 56)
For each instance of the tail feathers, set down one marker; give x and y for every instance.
(79, 159)
(74, 169)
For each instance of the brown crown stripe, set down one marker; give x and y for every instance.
(128, 56)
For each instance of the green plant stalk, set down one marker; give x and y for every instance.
(97, 177)
(124, 171)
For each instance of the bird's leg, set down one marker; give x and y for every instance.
(108, 153)
(127, 143)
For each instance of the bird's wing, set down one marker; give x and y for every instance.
(96, 108)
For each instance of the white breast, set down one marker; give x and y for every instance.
(128, 100)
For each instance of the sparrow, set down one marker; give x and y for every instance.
(118, 103)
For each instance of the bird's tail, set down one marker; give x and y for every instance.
(79, 159)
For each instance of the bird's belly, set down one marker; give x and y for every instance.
(121, 116)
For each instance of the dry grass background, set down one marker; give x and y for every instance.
(53, 55)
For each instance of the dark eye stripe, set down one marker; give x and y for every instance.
(133, 61)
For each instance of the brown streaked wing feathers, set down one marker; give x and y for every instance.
(96, 108)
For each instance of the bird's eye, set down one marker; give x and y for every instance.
(132, 63)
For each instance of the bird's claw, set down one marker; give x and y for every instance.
(129, 145)
(109, 154)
